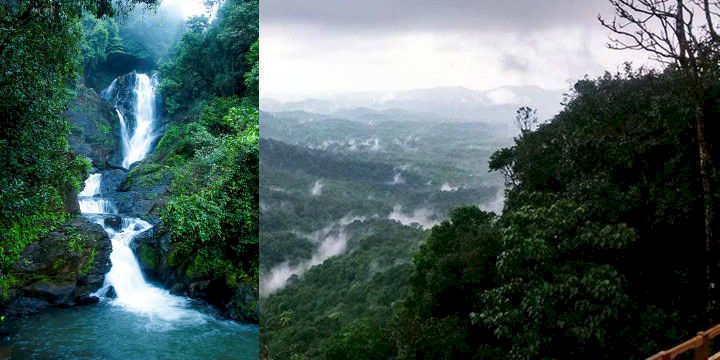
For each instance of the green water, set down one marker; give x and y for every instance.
(107, 331)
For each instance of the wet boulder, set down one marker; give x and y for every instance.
(86, 300)
(114, 222)
(243, 305)
(110, 292)
(61, 269)
(151, 247)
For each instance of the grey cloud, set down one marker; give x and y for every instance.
(511, 62)
(432, 15)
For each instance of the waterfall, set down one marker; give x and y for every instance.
(107, 93)
(92, 186)
(90, 202)
(138, 145)
(133, 292)
(124, 137)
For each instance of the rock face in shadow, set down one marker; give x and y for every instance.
(70, 199)
(95, 129)
(62, 269)
(121, 96)
(123, 59)
(143, 192)
(153, 249)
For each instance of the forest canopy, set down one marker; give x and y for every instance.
(56, 52)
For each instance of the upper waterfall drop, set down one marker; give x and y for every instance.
(137, 145)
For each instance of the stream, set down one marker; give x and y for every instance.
(141, 320)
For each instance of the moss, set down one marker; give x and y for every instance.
(57, 264)
(147, 175)
(90, 265)
(198, 268)
(173, 258)
(105, 129)
(36, 278)
(6, 284)
(148, 257)
(75, 244)
(24, 231)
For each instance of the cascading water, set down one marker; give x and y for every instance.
(90, 202)
(136, 147)
(133, 293)
(124, 138)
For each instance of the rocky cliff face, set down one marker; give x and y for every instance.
(119, 94)
(95, 129)
(128, 57)
(60, 270)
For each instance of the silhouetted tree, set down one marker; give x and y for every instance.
(668, 30)
(526, 119)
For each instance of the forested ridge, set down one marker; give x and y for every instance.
(600, 250)
(595, 254)
(200, 182)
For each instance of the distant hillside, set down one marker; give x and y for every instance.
(447, 103)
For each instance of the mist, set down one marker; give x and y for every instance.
(316, 189)
(423, 217)
(446, 187)
(331, 241)
(497, 204)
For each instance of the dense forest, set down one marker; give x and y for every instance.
(598, 245)
(198, 187)
(599, 252)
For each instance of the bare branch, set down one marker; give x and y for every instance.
(666, 29)
(708, 18)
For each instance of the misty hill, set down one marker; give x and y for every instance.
(306, 189)
(440, 151)
(326, 165)
(448, 103)
(335, 186)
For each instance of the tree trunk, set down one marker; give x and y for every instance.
(708, 207)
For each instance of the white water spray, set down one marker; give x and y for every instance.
(124, 137)
(138, 145)
(90, 202)
(92, 186)
(133, 292)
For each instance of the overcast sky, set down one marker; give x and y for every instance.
(188, 8)
(323, 47)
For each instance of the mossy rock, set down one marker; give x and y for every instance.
(95, 129)
(148, 257)
(67, 264)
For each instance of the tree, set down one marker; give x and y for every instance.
(213, 59)
(667, 29)
(526, 119)
(451, 269)
(503, 160)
